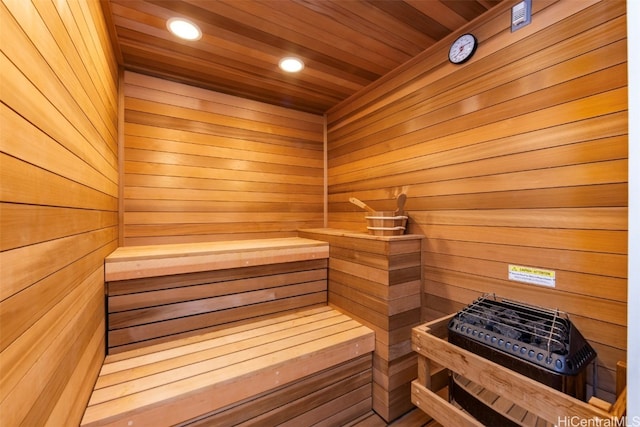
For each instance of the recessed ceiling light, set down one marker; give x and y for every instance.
(184, 29)
(291, 64)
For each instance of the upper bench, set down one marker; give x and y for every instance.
(164, 292)
(134, 262)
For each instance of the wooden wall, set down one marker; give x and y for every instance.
(204, 166)
(516, 157)
(58, 201)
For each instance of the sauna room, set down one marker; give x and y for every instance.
(427, 223)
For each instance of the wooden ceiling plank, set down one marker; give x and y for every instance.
(411, 17)
(202, 70)
(469, 10)
(488, 4)
(225, 45)
(131, 32)
(217, 47)
(395, 29)
(320, 22)
(439, 12)
(312, 78)
(230, 44)
(367, 33)
(309, 48)
(267, 62)
(346, 45)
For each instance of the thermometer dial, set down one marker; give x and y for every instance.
(463, 48)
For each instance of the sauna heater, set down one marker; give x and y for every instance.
(539, 343)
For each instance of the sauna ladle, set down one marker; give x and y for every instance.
(402, 198)
(361, 204)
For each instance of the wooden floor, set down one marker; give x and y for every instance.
(415, 418)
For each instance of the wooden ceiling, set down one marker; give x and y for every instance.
(345, 44)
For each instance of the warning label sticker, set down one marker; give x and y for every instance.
(533, 275)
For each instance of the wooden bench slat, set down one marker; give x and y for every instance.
(136, 300)
(171, 403)
(295, 317)
(159, 352)
(160, 260)
(335, 406)
(134, 253)
(284, 403)
(205, 305)
(208, 350)
(149, 284)
(224, 358)
(200, 323)
(174, 396)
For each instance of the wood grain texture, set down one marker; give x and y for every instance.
(203, 166)
(377, 280)
(517, 157)
(151, 261)
(182, 380)
(337, 395)
(345, 45)
(531, 398)
(165, 292)
(58, 206)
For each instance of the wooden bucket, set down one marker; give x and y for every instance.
(386, 223)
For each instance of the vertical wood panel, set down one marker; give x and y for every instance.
(203, 166)
(517, 157)
(58, 206)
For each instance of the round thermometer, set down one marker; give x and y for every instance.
(463, 48)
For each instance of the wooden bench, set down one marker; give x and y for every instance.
(228, 333)
(294, 369)
(164, 292)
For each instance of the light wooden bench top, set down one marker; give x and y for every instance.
(176, 381)
(132, 262)
(359, 235)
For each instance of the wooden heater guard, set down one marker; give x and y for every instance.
(437, 359)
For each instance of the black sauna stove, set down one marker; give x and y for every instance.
(536, 342)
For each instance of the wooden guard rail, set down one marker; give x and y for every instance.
(437, 357)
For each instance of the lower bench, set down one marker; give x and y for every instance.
(294, 369)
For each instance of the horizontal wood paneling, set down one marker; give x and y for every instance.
(517, 157)
(58, 206)
(337, 395)
(203, 166)
(378, 281)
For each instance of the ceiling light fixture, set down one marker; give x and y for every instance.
(184, 29)
(291, 64)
